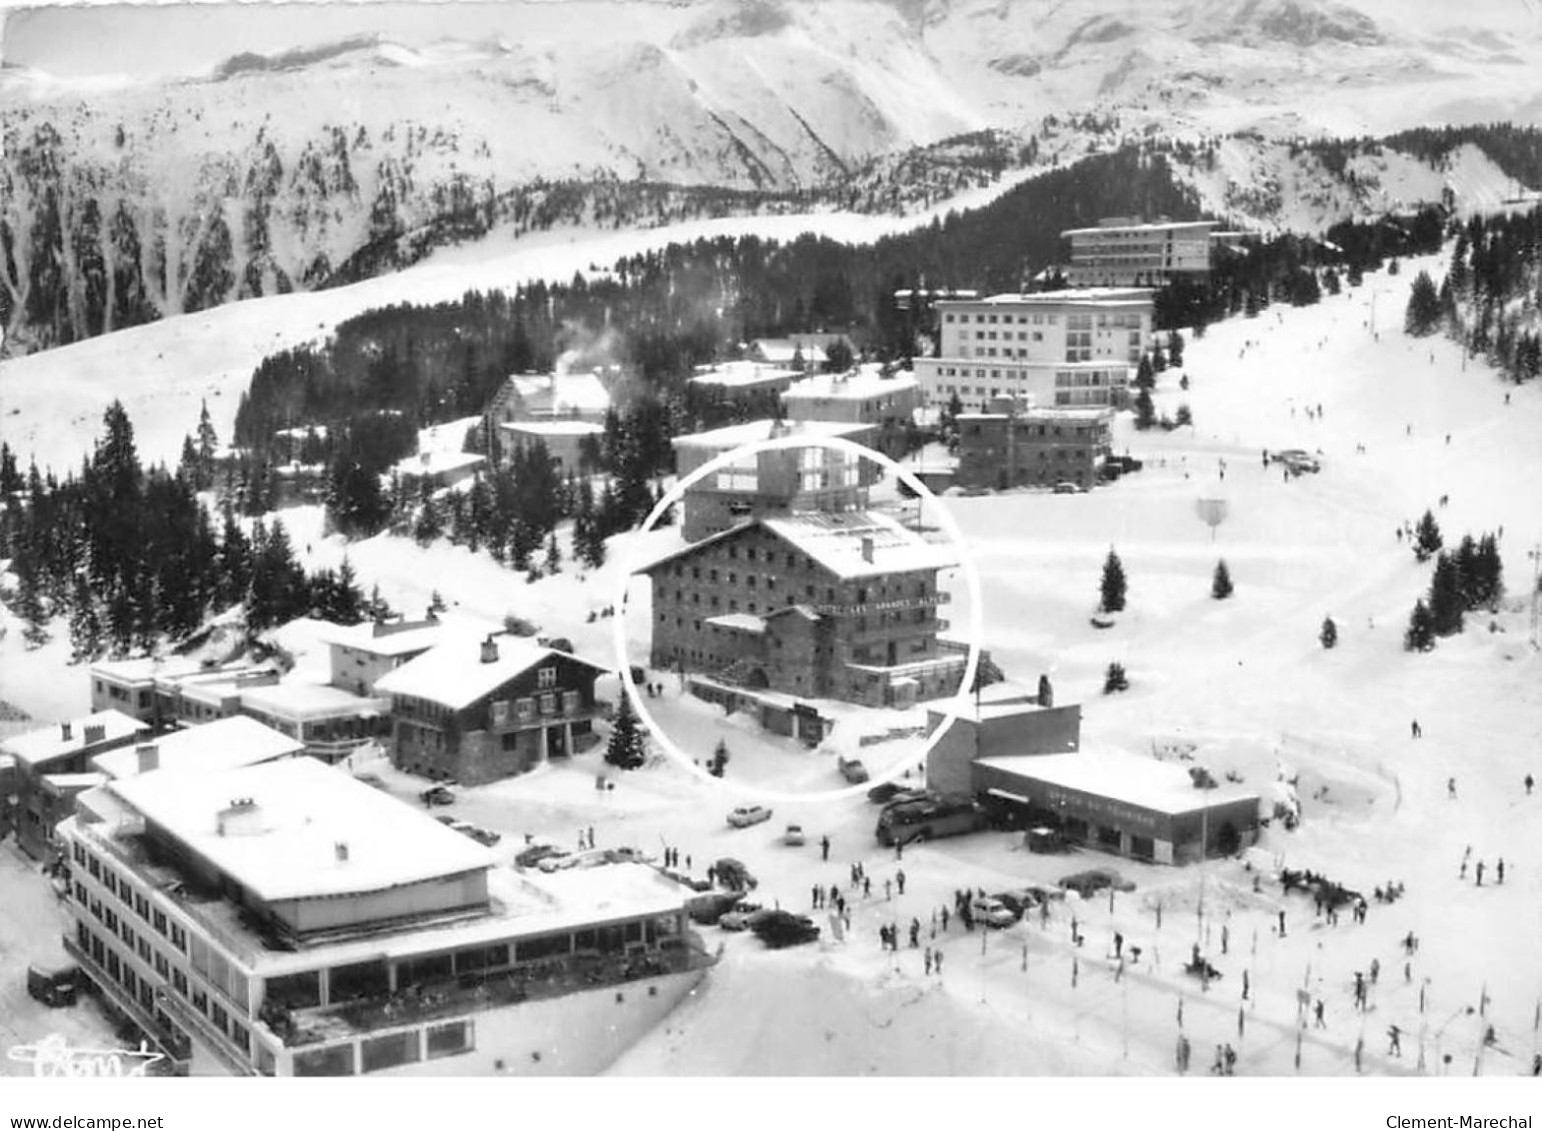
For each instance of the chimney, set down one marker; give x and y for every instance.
(95, 733)
(341, 848)
(64, 732)
(867, 550)
(489, 650)
(237, 817)
(149, 756)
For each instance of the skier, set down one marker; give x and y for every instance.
(927, 955)
(1318, 1022)
(867, 887)
(1118, 945)
(1282, 924)
(1244, 985)
(1375, 970)
(937, 961)
(824, 848)
(1480, 873)
(1529, 783)
(915, 933)
(899, 880)
(944, 920)
(1499, 870)
(888, 890)
(1451, 788)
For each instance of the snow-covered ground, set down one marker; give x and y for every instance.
(1244, 680)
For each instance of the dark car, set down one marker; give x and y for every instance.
(782, 928)
(530, 857)
(1094, 880)
(890, 792)
(709, 907)
(732, 873)
(437, 795)
(54, 986)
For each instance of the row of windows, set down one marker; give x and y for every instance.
(391, 1050)
(124, 891)
(1023, 319)
(990, 335)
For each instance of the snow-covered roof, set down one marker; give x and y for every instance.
(86, 780)
(1161, 226)
(454, 675)
(310, 701)
(144, 670)
(1158, 786)
(743, 622)
(1103, 297)
(743, 374)
(859, 384)
(785, 350)
(221, 745)
(555, 394)
(1046, 414)
(438, 463)
(737, 435)
(837, 542)
(285, 845)
(553, 427)
(48, 743)
(394, 641)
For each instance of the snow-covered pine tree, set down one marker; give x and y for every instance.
(627, 749)
(1422, 316)
(1427, 539)
(1447, 600)
(1420, 634)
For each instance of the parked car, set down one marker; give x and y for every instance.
(533, 855)
(793, 837)
(485, 837)
(742, 917)
(54, 986)
(448, 821)
(1019, 901)
(892, 792)
(374, 780)
(708, 907)
(991, 911)
(782, 928)
(852, 770)
(1094, 880)
(1041, 838)
(746, 815)
(1066, 487)
(733, 874)
(624, 855)
(437, 795)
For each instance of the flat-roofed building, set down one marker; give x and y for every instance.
(565, 441)
(751, 387)
(780, 481)
(826, 606)
(129, 685)
(434, 471)
(479, 711)
(1051, 349)
(224, 744)
(331, 722)
(1121, 252)
(50, 765)
(208, 694)
(288, 920)
(991, 729)
(1122, 803)
(1034, 447)
(860, 396)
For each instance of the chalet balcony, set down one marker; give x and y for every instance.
(456, 997)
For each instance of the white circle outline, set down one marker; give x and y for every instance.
(955, 704)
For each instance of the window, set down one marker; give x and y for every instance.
(241, 1036)
(448, 1040)
(179, 982)
(200, 1000)
(126, 893)
(179, 938)
(159, 919)
(546, 677)
(218, 1015)
(389, 1051)
(94, 866)
(110, 879)
(335, 1060)
(549, 704)
(162, 967)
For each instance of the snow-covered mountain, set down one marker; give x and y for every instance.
(123, 200)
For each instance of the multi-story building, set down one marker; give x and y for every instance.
(808, 351)
(1051, 349)
(480, 713)
(861, 396)
(129, 685)
(779, 481)
(434, 471)
(751, 387)
(825, 606)
(53, 764)
(362, 653)
(564, 440)
(215, 693)
(1121, 252)
(528, 399)
(288, 920)
(1034, 447)
(221, 745)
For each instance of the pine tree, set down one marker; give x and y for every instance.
(207, 443)
(1175, 349)
(1427, 539)
(1112, 586)
(1420, 635)
(1422, 316)
(1185, 417)
(1329, 636)
(1145, 378)
(85, 624)
(627, 748)
(10, 478)
(29, 603)
(553, 562)
(1446, 600)
(1220, 584)
(1145, 411)
(1158, 357)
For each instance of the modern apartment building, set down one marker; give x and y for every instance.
(861, 396)
(289, 920)
(1054, 349)
(1035, 447)
(51, 765)
(1121, 252)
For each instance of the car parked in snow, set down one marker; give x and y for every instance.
(782, 928)
(437, 795)
(746, 815)
(852, 770)
(794, 837)
(1066, 487)
(742, 917)
(991, 911)
(534, 854)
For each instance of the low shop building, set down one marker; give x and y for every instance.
(52, 765)
(995, 730)
(1121, 803)
(332, 723)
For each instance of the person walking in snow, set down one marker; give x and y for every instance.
(1318, 1022)
(824, 848)
(1529, 783)
(867, 887)
(888, 891)
(944, 916)
(1480, 873)
(915, 933)
(1282, 924)
(1375, 970)
(899, 880)
(937, 961)
(1499, 870)
(1451, 788)
(927, 956)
